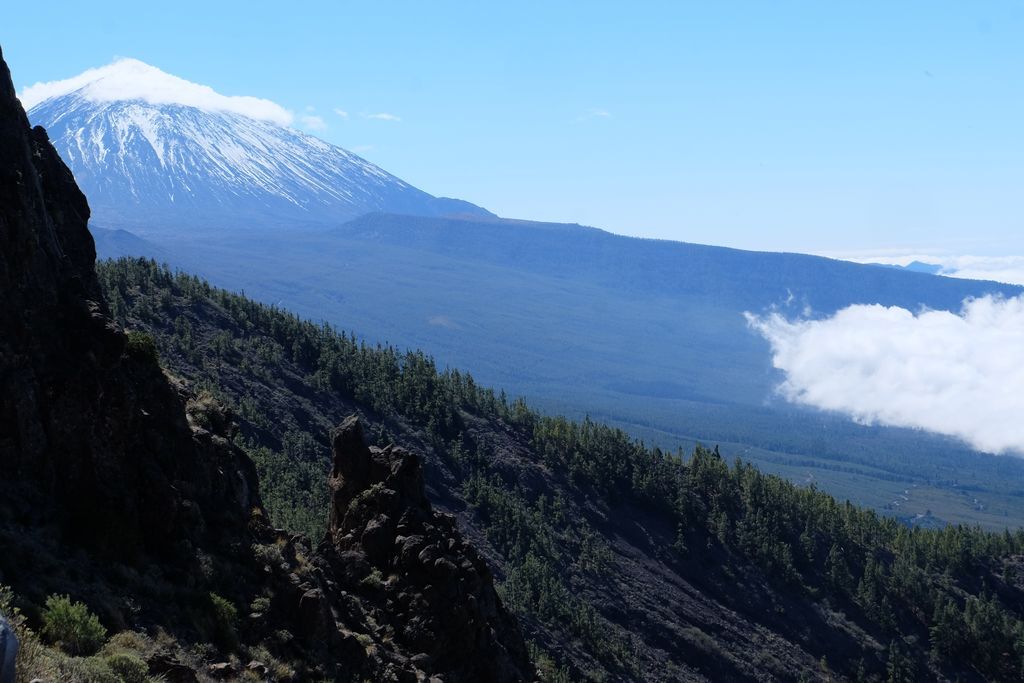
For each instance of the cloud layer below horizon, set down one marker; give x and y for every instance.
(959, 374)
(1008, 269)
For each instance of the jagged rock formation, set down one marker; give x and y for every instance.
(393, 592)
(435, 595)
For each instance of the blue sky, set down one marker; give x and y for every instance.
(806, 126)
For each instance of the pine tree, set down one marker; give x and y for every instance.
(899, 667)
(836, 570)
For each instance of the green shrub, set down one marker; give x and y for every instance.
(72, 626)
(130, 668)
(374, 580)
(269, 555)
(80, 670)
(142, 346)
(260, 605)
(225, 617)
(128, 640)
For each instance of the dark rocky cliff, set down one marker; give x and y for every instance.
(92, 435)
(120, 486)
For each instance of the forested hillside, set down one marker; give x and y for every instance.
(622, 562)
(647, 335)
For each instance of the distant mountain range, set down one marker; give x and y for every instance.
(916, 267)
(150, 163)
(647, 334)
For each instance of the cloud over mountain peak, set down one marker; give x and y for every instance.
(131, 79)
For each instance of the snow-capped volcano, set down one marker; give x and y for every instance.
(154, 152)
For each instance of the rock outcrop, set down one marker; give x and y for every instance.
(430, 593)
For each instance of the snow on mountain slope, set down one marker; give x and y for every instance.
(155, 152)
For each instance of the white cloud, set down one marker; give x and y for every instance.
(959, 374)
(1008, 269)
(313, 122)
(383, 116)
(341, 112)
(595, 114)
(127, 79)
